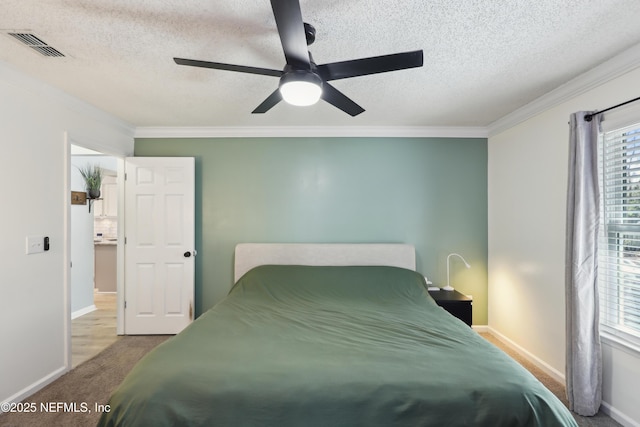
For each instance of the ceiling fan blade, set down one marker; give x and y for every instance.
(268, 103)
(291, 29)
(339, 100)
(228, 67)
(372, 65)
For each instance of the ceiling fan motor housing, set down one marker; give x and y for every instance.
(310, 33)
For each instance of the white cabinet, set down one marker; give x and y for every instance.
(108, 206)
(110, 197)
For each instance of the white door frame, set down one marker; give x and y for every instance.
(90, 142)
(120, 249)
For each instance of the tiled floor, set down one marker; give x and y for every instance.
(95, 331)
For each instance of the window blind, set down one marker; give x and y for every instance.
(619, 240)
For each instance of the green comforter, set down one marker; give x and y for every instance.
(330, 346)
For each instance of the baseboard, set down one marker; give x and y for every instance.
(480, 328)
(548, 369)
(86, 310)
(618, 416)
(38, 385)
(605, 407)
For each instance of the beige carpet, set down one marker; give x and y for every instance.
(599, 420)
(92, 382)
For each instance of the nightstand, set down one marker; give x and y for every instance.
(455, 303)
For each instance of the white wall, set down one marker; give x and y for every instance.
(82, 251)
(34, 307)
(527, 183)
(82, 234)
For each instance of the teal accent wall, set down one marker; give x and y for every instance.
(429, 192)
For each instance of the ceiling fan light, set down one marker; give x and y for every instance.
(300, 88)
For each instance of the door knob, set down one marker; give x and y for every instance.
(187, 254)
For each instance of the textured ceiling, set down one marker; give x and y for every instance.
(483, 58)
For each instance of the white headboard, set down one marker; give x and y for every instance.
(250, 255)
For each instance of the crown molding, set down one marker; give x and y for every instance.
(311, 131)
(600, 74)
(18, 78)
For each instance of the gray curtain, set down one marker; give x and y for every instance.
(584, 359)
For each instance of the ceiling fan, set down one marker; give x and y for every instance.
(302, 82)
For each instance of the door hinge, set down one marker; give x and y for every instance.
(190, 311)
(125, 305)
(125, 176)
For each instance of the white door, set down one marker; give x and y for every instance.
(159, 244)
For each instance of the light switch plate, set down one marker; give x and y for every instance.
(35, 244)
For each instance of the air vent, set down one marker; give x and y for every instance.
(36, 44)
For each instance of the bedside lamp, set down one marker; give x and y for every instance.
(449, 287)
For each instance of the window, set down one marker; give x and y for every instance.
(619, 244)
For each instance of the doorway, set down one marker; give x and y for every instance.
(93, 260)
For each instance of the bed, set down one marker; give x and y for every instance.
(352, 343)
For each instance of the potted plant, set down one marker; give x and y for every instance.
(92, 175)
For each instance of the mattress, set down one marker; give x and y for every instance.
(331, 346)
